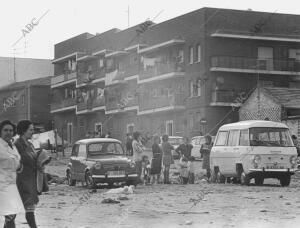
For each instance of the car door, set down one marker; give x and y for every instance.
(219, 151)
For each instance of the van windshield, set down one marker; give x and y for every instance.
(266, 136)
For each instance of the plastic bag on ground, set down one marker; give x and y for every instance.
(124, 190)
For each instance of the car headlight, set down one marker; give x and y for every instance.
(98, 165)
(256, 160)
(132, 164)
(293, 160)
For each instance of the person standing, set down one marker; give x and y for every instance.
(205, 152)
(296, 144)
(167, 158)
(27, 177)
(156, 160)
(138, 149)
(128, 144)
(10, 200)
(185, 149)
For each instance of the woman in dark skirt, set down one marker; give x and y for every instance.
(27, 176)
(156, 160)
(205, 152)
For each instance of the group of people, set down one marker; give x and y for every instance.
(19, 172)
(162, 158)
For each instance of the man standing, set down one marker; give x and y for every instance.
(185, 149)
(128, 144)
(137, 148)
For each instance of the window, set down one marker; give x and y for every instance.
(198, 53)
(222, 138)
(294, 54)
(233, 138)
(130, 128)
(75, 150)
(82, 150)
(195, 88)
(23, 99)
(180, 56)
(98, 149)
(191, 55)
(244, 138)
(101, 63)
(270, 136)
(98, 128)
(169, 127)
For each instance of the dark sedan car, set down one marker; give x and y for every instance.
(100, 160)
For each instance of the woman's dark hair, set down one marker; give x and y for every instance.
(208, 138)
(294, 137)
(23, 126)
(165, 138)
(136, 135)
(8, 122)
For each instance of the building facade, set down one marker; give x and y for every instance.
(27, 100)
(184, 76)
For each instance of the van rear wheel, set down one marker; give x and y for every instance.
(245, 179)
(259, 180)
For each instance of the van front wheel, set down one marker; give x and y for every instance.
(259, 180)
(285, 180)
(245, 179)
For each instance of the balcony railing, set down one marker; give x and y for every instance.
(98, 102)
(254, 64)
(228, 96)
(85, 105)
(63, 104)
(83, 78)
(148, 103)
(63, 77)
(159, 69)
(120, 104)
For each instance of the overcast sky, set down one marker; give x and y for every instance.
(64, 19)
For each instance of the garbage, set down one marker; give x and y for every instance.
(188, 223)
(123, 198)
(124, 190)
(109, 200)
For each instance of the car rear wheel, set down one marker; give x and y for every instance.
(70, 181)
(285, 180)
(259, 180)
(89, 181)
(245, 179)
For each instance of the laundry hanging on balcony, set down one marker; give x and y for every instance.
(148, 62)
(110, 77)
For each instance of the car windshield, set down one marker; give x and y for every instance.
(175, 141)
(105, 148)
(266, 136)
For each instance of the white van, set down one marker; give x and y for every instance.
(253, 149)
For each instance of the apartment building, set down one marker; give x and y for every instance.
(180, 77)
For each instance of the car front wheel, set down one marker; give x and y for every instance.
(245, 179)
(285, 180)
(89, 181)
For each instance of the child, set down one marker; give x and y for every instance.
(146, 169)
(191, 170)
(184, 173)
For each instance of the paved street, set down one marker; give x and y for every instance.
(198, 205)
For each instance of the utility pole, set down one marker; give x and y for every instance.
(128, 16)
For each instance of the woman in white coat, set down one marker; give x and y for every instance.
(10, 200)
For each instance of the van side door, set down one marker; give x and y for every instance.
(233, 152)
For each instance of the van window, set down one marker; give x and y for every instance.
(270, 136)
(244, 138)
(222, 138)
(233, 138)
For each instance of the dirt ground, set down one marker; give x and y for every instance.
(198, 205)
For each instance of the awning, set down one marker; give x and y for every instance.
(116, 54)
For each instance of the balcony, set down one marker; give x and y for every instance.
(98, 104)
(160, 71)
(64, 105)
(84, 107)
(96, 76)
(228, 97)
(119, 105)
(63, 79)
(163, 103)
(253, 65)
(115, 77)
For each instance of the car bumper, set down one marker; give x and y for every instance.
(117, 178)
(274, 170)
